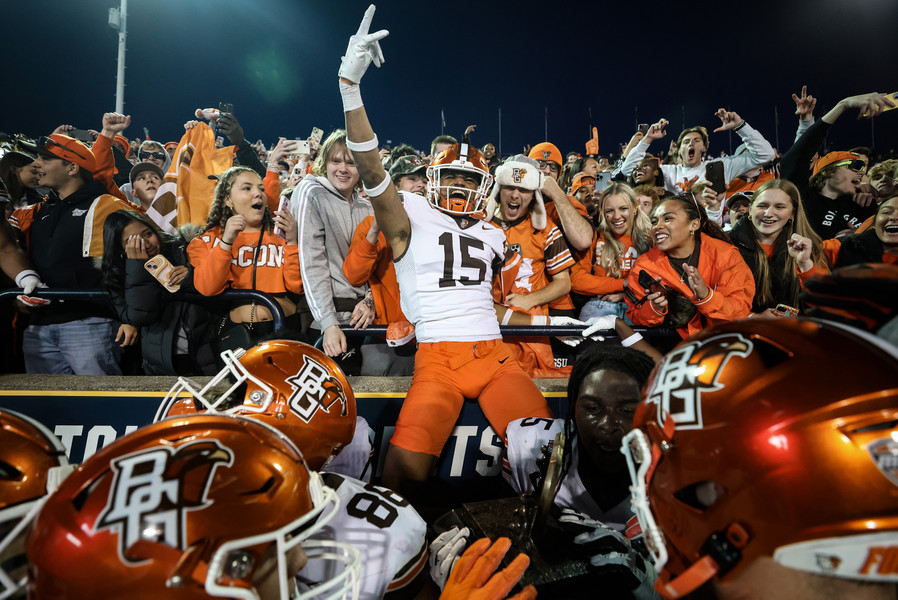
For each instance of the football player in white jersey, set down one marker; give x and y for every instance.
(446, 257)
(301, 392)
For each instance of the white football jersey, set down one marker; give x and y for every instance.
(354, 459)
(446, 275)
(386, 530)
(526, 437)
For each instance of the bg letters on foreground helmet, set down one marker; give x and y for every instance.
(459, 200)
(192, 507)
(769, 437)
(289, 385)
(32, 464)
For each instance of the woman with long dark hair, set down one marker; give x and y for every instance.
(238, 249)
(693, 277)
(174, 334)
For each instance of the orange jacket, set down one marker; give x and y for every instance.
(216, 269)
(373, 264)
(102, 150)
(724, 272)
(590, 278)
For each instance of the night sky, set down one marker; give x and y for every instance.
(583, 64)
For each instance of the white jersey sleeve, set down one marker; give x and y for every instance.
(355, 458)
(526, 439)
(446, 275)
(383, 526)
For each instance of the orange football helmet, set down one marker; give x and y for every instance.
(289, 385)
(769, 437)
(32, 463)
(458, 199)
(192, 507)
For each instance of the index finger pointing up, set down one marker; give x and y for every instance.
(365, 25)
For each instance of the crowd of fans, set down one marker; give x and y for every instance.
(294, 222)
(442, 249)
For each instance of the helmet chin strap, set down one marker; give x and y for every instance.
(720, 553)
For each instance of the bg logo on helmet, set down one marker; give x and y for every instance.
(150, 494)
(689, 371)
(314, 389)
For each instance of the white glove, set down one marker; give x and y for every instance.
(30, 281)
(445, 549)
(603, 323)
(569, 340)
(362, 50)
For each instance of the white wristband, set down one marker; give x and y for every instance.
(362, 146)
(23, 274)
(539, 320)
(626, 343)
(379, 189)
(352, 96)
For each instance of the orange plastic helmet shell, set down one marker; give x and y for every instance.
(150, 513)
(457, 200)
(290, 386)
(772, 437)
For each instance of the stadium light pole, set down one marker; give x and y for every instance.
(118, 18)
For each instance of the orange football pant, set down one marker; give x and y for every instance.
(448, 372)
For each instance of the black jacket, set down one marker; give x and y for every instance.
(784, 283)
(143, 302)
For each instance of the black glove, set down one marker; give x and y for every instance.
(609, 550)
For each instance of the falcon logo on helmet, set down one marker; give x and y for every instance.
(690, 370)
(458, 199)
(153, 491)
(884, 453)
(314, 389)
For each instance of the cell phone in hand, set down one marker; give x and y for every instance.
(302, 147)
(785, 310)
(643, 128)
(603, 180)
(651, 284)
(893, 97)
(160, 268)
(316, 135)
(284, 204)
(81, 134)
(226, 107)
(714, 174)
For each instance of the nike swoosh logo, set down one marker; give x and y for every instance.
(503, 360)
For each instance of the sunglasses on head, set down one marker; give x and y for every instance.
(46, 142)
(855, 164)
(151, 155)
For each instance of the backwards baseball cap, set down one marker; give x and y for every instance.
(546, 151)
(522, 172)
(67, 148)
(407, 165)
(848, 159)
(145, 166)
(124, 142)
(580, 180)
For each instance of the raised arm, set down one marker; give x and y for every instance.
(362, 50)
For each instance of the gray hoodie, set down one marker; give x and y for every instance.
(326, 222)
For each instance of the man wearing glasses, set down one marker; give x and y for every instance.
(829, 192)
(63, 232)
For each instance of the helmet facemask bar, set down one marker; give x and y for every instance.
(441, 195)
(24, 513)
(638, 452)
(232, 368)
(326, 505)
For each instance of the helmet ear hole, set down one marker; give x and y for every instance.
(701, 495)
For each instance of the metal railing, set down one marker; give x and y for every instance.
(102, 296)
